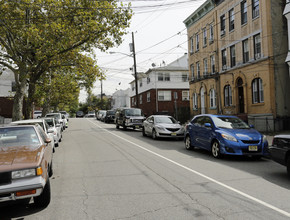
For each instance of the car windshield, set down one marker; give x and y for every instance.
(57, 116)
(50, 122)
(18, 136)
(166, 120)
(230, 122)
(133, 112)
(110, 112)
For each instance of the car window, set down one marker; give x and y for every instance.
(230, 123)
(42, 133)
(18, 136)
(167, 120)
(133, 112)
(198, 121)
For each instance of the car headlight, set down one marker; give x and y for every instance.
(23, 173)
(229, 137)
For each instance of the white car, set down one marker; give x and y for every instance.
(57, 133)
(37, 114)
(58, 117)
(43, 125)
(162, 126)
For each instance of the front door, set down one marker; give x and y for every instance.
(241, 96)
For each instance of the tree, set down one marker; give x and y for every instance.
(39, 35)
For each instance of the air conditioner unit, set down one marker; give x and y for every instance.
(223, 32)
(224, 67)
(257, 56)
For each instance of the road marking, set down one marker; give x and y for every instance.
(202, 175)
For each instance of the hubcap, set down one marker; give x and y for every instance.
(187, 143)
(215, 149)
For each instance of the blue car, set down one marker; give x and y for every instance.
(224, 135)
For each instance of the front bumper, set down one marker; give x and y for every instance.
(8, 192)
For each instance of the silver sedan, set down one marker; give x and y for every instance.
(162, 126)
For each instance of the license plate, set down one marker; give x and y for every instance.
(173, 134)
(137, 126)
(253, 148)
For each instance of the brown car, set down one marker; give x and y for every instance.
(25, 164)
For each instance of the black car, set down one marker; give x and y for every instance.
(129, 117)
(280, 150)
(110, 116)
(80, 114)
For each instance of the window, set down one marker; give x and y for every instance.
(212, 64)
(192, 71)
(257, 46)
(133, 101)
(223, 24)
(140, 99)
(194, 101)
(228, 95)
(204, 37)
(233, 55)
(160, 76)
(211, 33)
(148, 80)
(185, 95)
(164, 95)
(133, 87)
(224, 59)
(212, 97)
(13, 87)
(184, 77)
(231, 20)
(175, 95)
(148, 97)
(205, 67)
(245, 51)
(167, 77)
(244, 12)
(257, 90)
(140, 83)
(255, 6)
(198, 70)
(191, 45)
(197, 42)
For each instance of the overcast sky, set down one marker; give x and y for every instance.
(160, 37)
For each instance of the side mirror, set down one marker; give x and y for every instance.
(207, 125)
(252, 126)
(47, 140)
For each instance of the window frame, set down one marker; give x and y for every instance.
(244, 12)
(257, 91)
(231, 20)
(228, 100)
(195, 101)
(212, 98)
(233, 55)
(257, 47)
(255, 8)
(246, 53)
(166, 97)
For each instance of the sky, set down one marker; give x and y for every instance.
(160, 37)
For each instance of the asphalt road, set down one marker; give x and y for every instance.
(104, 173)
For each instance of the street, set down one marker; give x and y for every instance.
(104, 173)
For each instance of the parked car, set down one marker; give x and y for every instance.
(56, 128)
(58, 117)
(110, 116)
(43, 125)
(225, 135)
(100, 114)
(65, 114)
(91, 114)
(129, 117)
(80, 114)
(26, 164)
(37, 114)
(280, 150)
(162, 126)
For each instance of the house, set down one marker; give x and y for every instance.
(164, 90)
(120, 98)
(237, 51)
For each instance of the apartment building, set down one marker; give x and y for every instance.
(237, 51)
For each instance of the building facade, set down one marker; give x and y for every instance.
(237, 52)
(164, 90)
(120, 98)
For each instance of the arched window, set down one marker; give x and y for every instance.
(228, 95)
(257, 90)
(194, 101)
(212, 97)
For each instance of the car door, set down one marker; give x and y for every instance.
(204, 132)
(194, 130)
(148, 125)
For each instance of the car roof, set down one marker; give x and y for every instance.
(28, 121)
(213, 115)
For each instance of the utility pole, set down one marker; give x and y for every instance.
(135, 70)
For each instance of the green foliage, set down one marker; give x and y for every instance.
(43, 36)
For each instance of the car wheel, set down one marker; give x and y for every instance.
(43, 200)
(188, 145)
(288, 166)
(143, 132)
(50, 172)
(154, 134)
(124, 126)
(215, 149)
(117, 126)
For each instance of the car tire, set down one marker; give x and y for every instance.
(288, 165)
(43, 200)
(215, 149)
(124, 126)
(143, 132)
(188, 145)
(154, 134)
(50, 172)
(117, 126)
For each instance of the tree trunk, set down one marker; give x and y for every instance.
(30, 100)
(17, 113)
